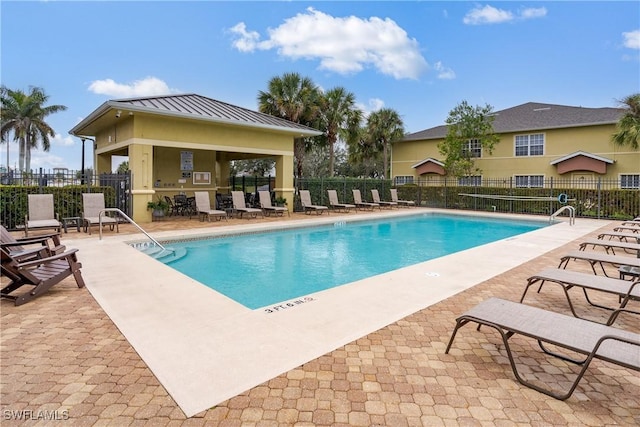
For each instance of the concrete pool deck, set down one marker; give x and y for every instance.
(207, 350)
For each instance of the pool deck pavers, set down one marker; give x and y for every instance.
(62, 356)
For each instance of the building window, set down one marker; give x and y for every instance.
(529, 181)
(629, 181)
(530, 145)
(401, 180)
(470, 181)
(473, 147)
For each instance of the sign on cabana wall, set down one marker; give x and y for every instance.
(202, 178)
(186, 160)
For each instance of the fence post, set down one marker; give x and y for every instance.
(599, 192)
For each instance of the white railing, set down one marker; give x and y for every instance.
(125, 216)
(572, 214)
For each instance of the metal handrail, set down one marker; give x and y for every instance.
(130, 221)
(572, 214)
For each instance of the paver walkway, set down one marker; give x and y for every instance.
(62, 357)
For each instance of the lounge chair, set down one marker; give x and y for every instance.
(599, 258)
(203, 207)
(623, 237)
(30, 247)
(41, 213)
(240, 206)
(335, 203)
(567, 279)
(611, 245)
(41, 273)
(92, 206)
(308, 206)
(375, 196)
(632, 223)
(596, 341)
(357, 199)
(267, 207)
(394, 197)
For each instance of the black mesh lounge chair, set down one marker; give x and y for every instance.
(203, 206)
(598, 258)
(267, 207)
(357, 199)
(40, 273)
(394, 197)
(567, 279)
(581, 336)
(335, 203)
(308, 206)
(375, 196)
(239, 205)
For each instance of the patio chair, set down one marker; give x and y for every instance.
(267, 207)
(357, 199)
(375, 196)
(594, 340)
(30, 247)
(240, 206)
(41, 273)
(394, 198)
(610, 246)
(335, 203)
(203, 207)
(567, 279)
(41, 213)
(599, 258)
(623, 237)
(92, 206)
(173, 208)
(308, 206)
(626, 229)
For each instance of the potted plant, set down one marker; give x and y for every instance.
(158, 208)
(280, 201)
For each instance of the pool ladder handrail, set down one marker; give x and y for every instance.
(125, 216)
(572, 214)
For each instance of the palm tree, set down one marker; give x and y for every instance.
(294, 98)
(629, 124)
(24, 114)
(384, 127)
(340, 119)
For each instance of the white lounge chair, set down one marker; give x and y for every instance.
(598, 258)
(240, 206)
(335, 203)
(357, 199)
(308, 206)
(267, 207)
(203, 206)
(375, 196)
(92, 205)
(394, 197)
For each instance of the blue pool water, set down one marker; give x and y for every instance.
(262, 269)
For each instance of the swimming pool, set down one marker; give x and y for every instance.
(265, 268)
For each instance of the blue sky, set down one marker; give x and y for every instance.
(419, 58)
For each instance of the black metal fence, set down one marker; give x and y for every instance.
(67, 188)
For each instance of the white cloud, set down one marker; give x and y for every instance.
(487, 15)
(62, 141)
(444, 73)
(374, 104)
(341, 44)
(491, 15)
(631, 39)
(146, 87)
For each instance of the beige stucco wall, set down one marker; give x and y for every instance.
(503, 163)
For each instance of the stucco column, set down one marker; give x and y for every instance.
(284, 179)
(142, 191)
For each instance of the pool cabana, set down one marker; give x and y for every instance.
(185, 143)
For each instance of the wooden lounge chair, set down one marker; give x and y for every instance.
(240, 206)
(30, 247)
(92, 206)
(41, 213)
(594, 340)
(203, 206)
(567, 279)
(375, 196)
(308, 206)
(41, 273)
(611, 245)
(357, 199)
(267, 207)
(394, 198)
(598, 258)
(335, 203)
